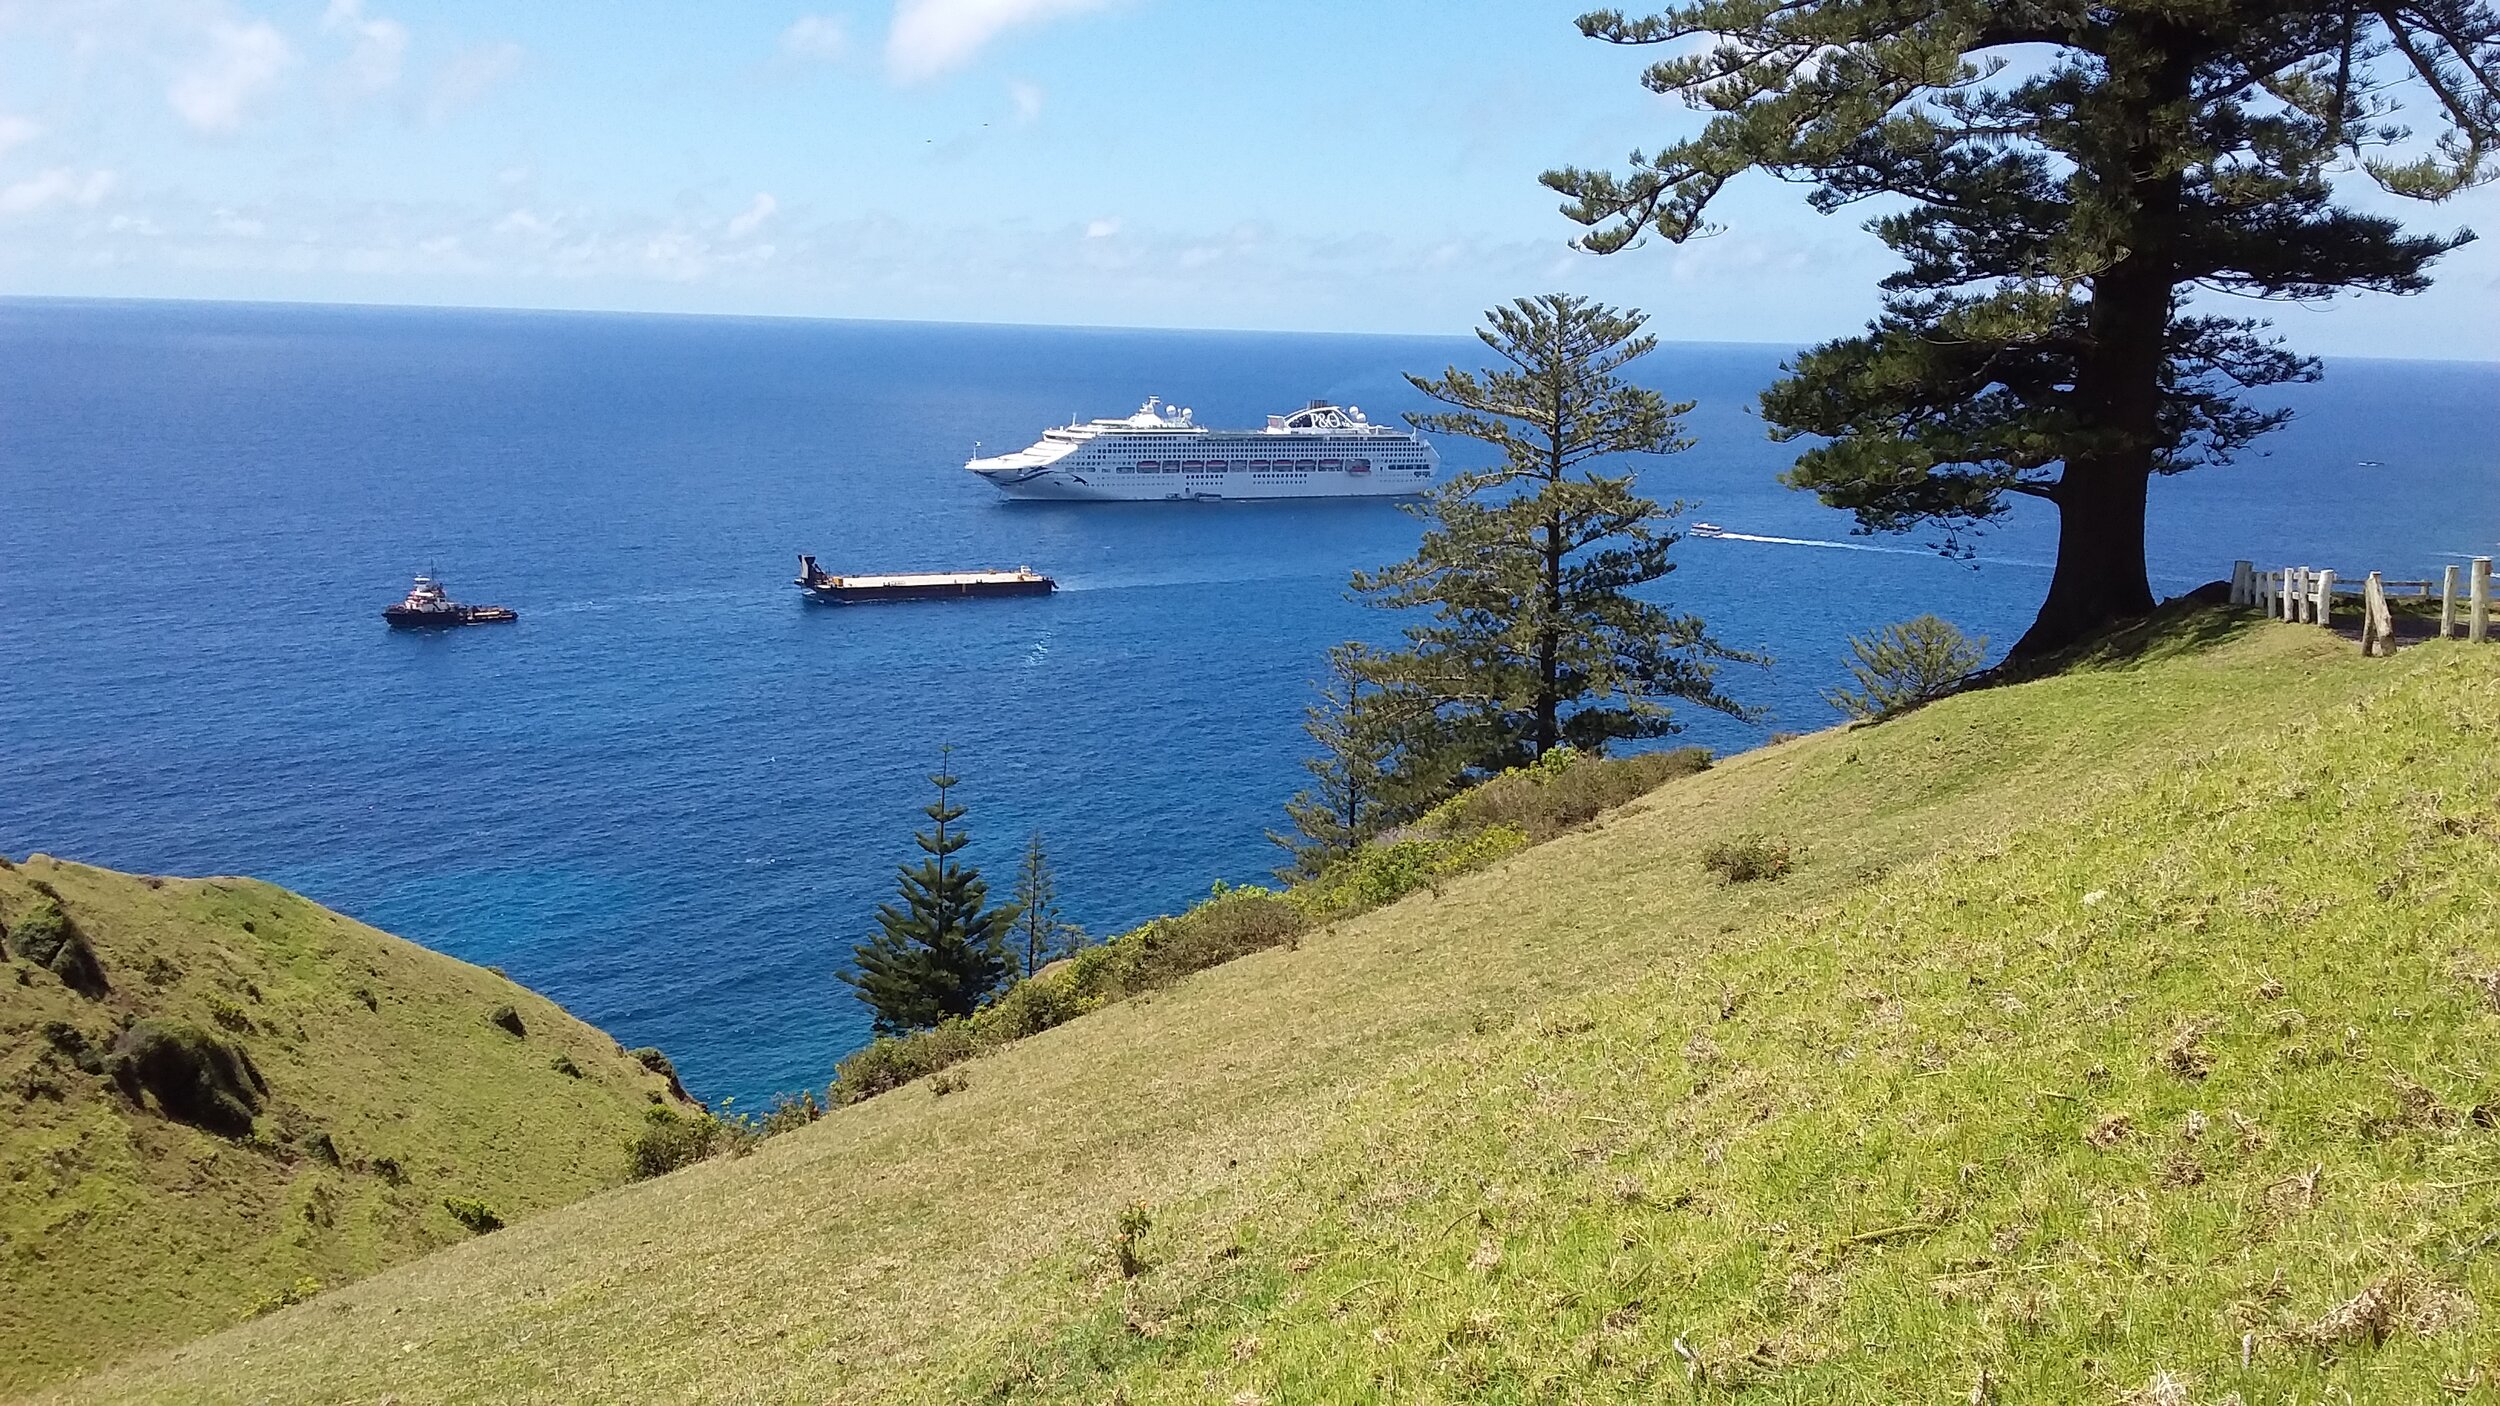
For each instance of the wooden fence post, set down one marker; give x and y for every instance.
(2378, 624)
(2448, 602)
(2291, 593)
(2479, 623)
(2243, 583)
(2326, 599)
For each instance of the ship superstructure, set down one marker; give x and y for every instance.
(1162, 453)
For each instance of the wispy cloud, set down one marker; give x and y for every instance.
(217, 89)
(16, 132)
(816, 38)
(57, 187)
(1101, 229)
(754, 216)
(930, 37)
(470, 76)
(1028, 100)
(379, 47)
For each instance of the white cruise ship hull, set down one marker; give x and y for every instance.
(1061, 486)
(1150, 457)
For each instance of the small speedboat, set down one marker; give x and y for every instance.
(1708, 529)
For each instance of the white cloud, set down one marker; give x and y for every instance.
(134, 224)
(931, 36)
(816, 38)
(1102, 229)
(755, 216)
(218, 89)
(57, 186)
(240, 227)
(1028, 100)
(16, 132)
(472, 74)
(380, 46)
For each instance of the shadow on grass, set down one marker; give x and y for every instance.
(2178, 628)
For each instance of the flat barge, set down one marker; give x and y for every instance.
(428, 607)
(928, 585)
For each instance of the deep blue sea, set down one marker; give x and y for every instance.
(673, 793)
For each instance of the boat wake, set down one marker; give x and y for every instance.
(1721, 534)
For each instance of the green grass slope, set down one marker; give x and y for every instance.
(2121, 1035)
(387, 1090)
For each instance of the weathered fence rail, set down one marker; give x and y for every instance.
(2306, 595)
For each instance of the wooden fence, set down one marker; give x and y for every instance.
(2303, 594)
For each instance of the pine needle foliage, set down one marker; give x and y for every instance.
(1537, 633)
(1905, 664)
(2059, 177)
(1354, 791)
(1042, 934)
(941, 951)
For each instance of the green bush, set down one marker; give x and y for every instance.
(1748, 859)
(48, 938)
(1232, 922)
(479, 1217)
(197, 1078)
(1905, 664)
(1384, 873)
(790, 1112)
(649, 1057)
(670, 1139)
(1564, 790)
(292, 1294)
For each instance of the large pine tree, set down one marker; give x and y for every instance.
(2063, 175)
(941, 952)
(1537, 631)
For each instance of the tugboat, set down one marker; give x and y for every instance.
(427, 608)
(823, 585)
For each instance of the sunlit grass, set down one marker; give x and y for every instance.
(1847, 1134)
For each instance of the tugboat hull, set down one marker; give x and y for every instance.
(403, 618)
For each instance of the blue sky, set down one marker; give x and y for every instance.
(1324, 166)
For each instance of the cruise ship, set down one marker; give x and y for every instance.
(1160, 453)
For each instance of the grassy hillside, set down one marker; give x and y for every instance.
(252, 1096)
(2111, 1028)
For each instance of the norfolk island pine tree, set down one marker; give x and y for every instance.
(2039, 342)
(941, 953)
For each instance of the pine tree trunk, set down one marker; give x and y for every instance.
(2101, 579)
(2101, 497)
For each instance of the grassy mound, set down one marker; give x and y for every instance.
(216, 1096)
(2124, 1034)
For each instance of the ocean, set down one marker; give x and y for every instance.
(672, 795)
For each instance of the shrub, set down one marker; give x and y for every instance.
(1748, 858)
(48, 938)
(508, 1020)
(1384, 873)
(197, 1078)
(670, 1139)
(479, 1217)
(1563, 790)
(952, 1081)
(389, 1170)
(276, 1299)
(649, 1057)
(790, 1113)
(1232, 922)
(1905, 664)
